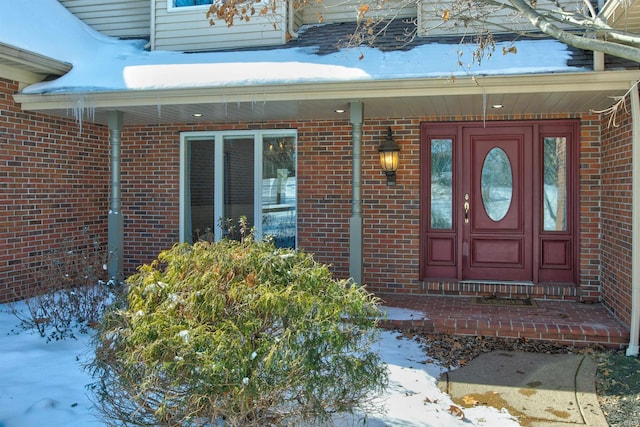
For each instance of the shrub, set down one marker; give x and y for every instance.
(239, 334)
(70, 293)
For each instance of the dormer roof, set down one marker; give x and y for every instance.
(28, 67)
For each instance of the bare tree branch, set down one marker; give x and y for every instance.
(575, 24)
(616, 49)
(617, 106)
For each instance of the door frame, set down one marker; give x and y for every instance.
(555, 254)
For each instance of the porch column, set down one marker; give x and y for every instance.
(355, 222)
(115, 263)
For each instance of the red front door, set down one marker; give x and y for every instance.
(499, 201)
(496, 217)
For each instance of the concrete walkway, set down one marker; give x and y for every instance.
(541, 390)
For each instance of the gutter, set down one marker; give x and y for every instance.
(152, 25)
(359, 89)
(356, 118)
(634, 347)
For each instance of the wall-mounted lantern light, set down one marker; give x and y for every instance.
(389, 158)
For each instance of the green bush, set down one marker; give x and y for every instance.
(239, 334)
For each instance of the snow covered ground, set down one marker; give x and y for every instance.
(43, 385)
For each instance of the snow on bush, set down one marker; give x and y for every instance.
(237, 333)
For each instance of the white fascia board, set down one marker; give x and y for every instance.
(362, 90)
(34, 63)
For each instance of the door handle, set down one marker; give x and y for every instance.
(466, 208)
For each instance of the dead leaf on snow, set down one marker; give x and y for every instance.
(456, 412)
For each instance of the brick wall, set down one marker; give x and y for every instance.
(54, 182)
(391, 215)
(150, 188)
(616, 214)
(150, 192)
(590, 192)
(324, 191)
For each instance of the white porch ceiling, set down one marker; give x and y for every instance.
(548, 93)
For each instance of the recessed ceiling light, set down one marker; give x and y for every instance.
(197, 114)
(497, 106)
(339, 110)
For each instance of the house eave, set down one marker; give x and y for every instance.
(248, 102)
(28, 67)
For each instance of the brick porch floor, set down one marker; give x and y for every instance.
(564, 322)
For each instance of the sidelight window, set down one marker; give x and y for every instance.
(441, 183)
(554, 203)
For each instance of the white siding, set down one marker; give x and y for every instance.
(347, 11)
(297, 22)
(188, 29)
(118, 18)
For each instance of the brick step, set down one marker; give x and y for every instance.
(561, 322)
(568, 292)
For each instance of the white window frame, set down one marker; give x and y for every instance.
(172, 8)
(218, 137)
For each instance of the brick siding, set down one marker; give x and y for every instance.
(55, 182)
(391, 215)
(615, 241)
(589, 216)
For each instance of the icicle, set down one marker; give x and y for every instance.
(484, 107)
(159, 108)
(78, 111)
(81, 109)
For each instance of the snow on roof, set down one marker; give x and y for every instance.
(102, 63)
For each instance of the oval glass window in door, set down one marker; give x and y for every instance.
(496, 184)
